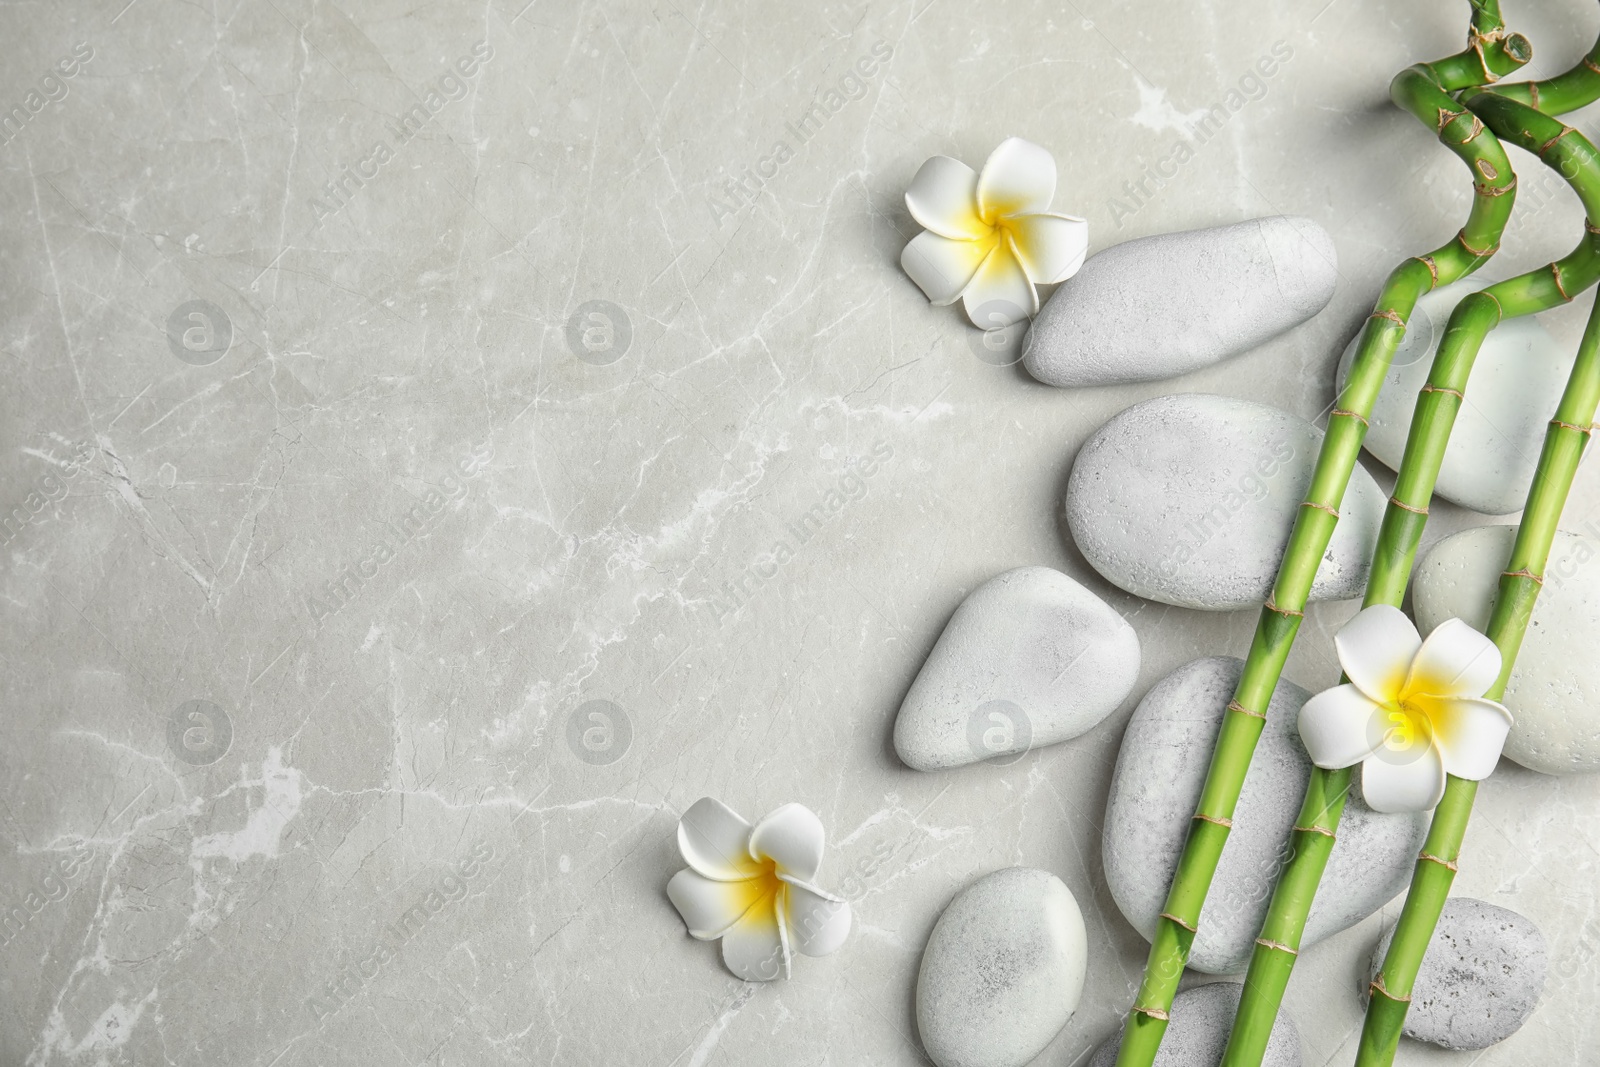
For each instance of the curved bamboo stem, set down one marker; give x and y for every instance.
(1424, 91)
(1568, 151)
(1314, 832)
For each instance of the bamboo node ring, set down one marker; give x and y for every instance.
(1346, 413)
(1234, 705)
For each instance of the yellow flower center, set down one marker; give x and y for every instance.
(1406, 725)
(762, 886)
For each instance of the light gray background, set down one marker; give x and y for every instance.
(375, 749)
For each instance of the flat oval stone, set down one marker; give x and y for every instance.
(1160, 770)
(1030, 658)
(1189, 499)
(1198, 1032)
(1512, 393)
(1480, 979)
(1003, 970)
(1161, 306)
(1554, 692)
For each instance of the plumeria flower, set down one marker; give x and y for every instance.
(989, 236)
(1412, 712)
(752, 887)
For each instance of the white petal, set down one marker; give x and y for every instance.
(942, 267)
(818, 922)
(1000, 293)
(944, 198)
(1412, 784)
(714, 840)
(754, 948)
(1455, 661)
(1018, 178)
(708, 906)
(1470, 733)
(1340, 727)
(792, 838)
(1376, 648)
(1050, 247)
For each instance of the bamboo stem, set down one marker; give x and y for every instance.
(1273, 958)
(1424, 91)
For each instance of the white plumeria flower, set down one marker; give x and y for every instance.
(989, 236)
(752, 887)
(1412, 712)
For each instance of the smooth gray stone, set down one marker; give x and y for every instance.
(1189, 499)
(1516, 382)
(1554, 693)
(1160, 770)
(1481, 978)
(1003, 970)
(1161, 306)
(1030, 658)
(1198, 1032)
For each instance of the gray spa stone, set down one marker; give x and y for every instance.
(1002, 972)
(1030, 658)
(1189, 499)
(1515, 385)
(1198, 1032)
(1554, 691)
(1481, 978)
(1161, 306)
(1156, 785)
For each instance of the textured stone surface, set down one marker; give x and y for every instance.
(1030, 658)
(670, 575)
(1516, 382)
(1554, 691)
(1165, 305)
(1160, 770)
(1002, 971)
(1189, 499)
(1198, 1032)
(1481, 978)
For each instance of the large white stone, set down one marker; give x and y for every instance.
(1003, 970)
(1189, 500)
(1554, 691)
(1198, 1032)
(1030, 658)
(1160, 770)
(1161, 306)
(1511, 396)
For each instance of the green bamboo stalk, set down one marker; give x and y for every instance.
(1424, 91)
(1519, 588)
(1273, 957)
(1569, 432)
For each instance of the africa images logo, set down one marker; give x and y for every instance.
(744, 189)
(851, 485)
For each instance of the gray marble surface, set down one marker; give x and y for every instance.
(397, 401)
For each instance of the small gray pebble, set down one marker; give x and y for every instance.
(1481, 978)
(1003, 970)
(1160, 306)
(1030, 658)
(1160, 770)
(1189, 499)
